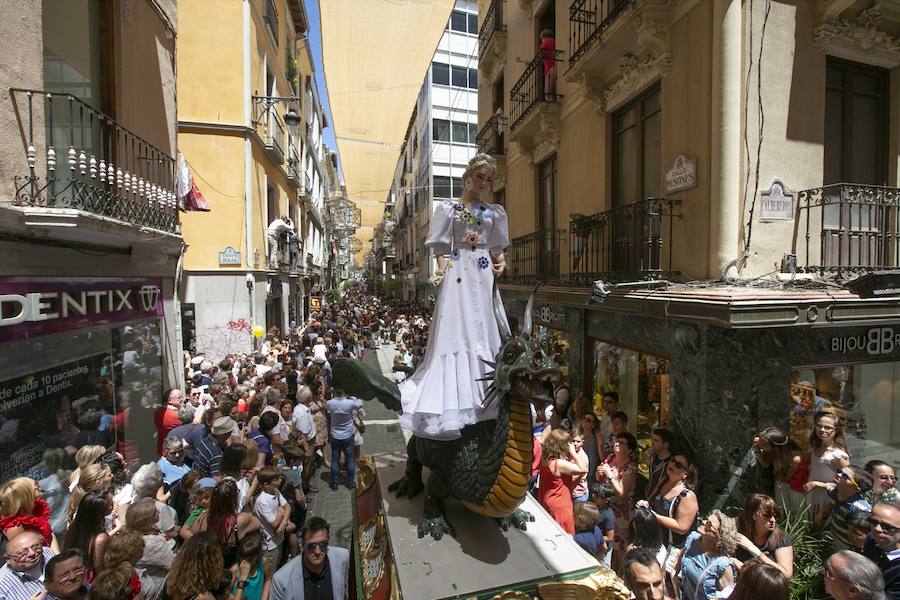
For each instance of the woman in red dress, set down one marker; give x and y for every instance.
(559, 465)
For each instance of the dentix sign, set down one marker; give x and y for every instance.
(30, 307)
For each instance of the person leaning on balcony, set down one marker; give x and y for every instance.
(548, 60)
(282, 226)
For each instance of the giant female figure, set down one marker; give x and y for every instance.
(468, 237)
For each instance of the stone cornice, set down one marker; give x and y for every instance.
(860, 39)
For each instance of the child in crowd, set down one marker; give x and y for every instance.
(601, 496)
(292, 490)
(587, 534)
(251, 573)
(273, 513)
(201, 492)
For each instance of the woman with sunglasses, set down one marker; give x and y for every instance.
(760, 537)
(706, 566)
(847, 496)
(620, 471)
(883, 481)
(829, 453)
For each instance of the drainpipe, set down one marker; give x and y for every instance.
(725, 156)
(248, 183)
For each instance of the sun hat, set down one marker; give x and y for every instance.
(223, 425)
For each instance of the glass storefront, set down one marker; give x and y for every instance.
(555, 342)
(865, 398)
(642, 382)
(86, 369)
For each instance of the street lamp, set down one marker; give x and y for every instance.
(291, 118)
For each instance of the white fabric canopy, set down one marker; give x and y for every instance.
(376, 54)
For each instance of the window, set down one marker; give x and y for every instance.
(636, 144)
(473, 23)
(473, 133)
(460, 76)
(440, 73)
(457, 187)
(460, 133)
(459, 21)
(473, 79)
(547, 190)
(442, 187)
(441, 130)
(856, 123)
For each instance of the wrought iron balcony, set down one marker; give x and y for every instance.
(294, 173)
(491, 137)
(270, 17)
(535, 257)
(627, 243)
(588, 19)
(269, 128)
(847, 229)
(530, 90)
(80, 158)
(491, 23)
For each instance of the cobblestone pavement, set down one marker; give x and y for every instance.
(383, 434)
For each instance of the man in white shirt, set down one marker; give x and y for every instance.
(282, 226)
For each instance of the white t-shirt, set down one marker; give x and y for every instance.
(303, 421)
(266, 509)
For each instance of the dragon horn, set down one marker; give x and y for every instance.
(505, 334)
(526, 328)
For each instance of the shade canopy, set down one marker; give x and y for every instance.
(376, 54)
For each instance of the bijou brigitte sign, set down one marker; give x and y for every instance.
(31, 307)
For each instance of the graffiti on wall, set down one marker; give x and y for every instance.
(217, 341)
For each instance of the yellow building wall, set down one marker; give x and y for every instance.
(210, 61)
(219, 159)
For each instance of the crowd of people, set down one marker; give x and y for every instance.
(222, 513)
(641, 515)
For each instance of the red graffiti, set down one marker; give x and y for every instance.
(239, 325)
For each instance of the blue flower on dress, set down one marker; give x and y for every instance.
(457, 207)
(483, 262)
(456, 254)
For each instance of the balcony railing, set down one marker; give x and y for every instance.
(270, 128)
(847, 229)
(630, 242)
(294, 167)
(490, 138)
(80, 158)
(588, 19)
(270, 17)
(490, 24)
(535, 256)
(531, 87)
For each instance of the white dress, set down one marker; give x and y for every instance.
(443, 395)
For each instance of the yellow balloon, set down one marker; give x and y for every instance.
(258, 331)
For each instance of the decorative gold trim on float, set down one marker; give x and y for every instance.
(365, 474)
(602, 585)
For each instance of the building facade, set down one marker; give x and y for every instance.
(90, 232)
(439, 142)
(250, 128)
(726, 171)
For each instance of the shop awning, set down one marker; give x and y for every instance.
(376, 55)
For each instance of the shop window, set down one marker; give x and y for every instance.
(642, 382)
(866, 399)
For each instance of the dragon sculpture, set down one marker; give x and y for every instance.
(489, 466)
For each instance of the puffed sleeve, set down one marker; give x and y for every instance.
(498, 239)
(441, 229)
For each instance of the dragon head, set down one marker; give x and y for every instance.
(522, 368)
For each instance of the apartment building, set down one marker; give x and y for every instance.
(727, 171)
(440, 140)
(250, 127)
(90, 233)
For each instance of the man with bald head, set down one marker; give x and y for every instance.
(883, 546)
(23, 574)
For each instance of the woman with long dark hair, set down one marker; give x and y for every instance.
(829, 453)
(88, 530)
(780, 457)
(222, 520)
(197, 570)
(760, 537)
(646, 533)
